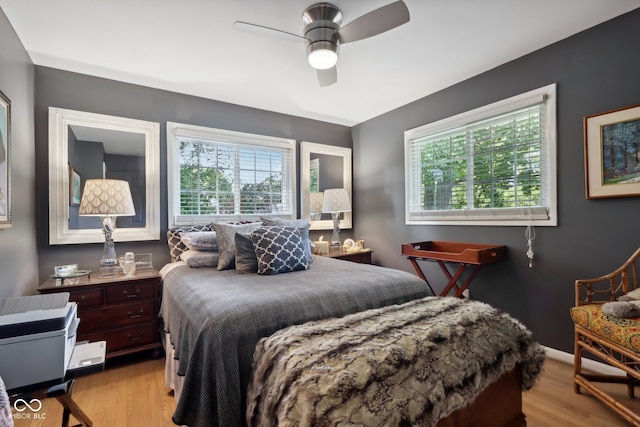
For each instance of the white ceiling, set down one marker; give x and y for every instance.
(189, 46)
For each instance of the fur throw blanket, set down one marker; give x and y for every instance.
(409, 364)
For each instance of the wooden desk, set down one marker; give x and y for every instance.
(470, 256)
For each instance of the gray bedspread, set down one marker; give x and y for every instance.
(215, 319)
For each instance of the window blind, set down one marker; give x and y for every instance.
(221, 174)
(487, 168)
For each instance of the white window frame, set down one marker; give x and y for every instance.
(177, 130)
(540, 215)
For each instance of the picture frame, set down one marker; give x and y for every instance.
(74, 187)
(612, 153)
(5, 161)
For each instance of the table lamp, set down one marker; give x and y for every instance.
(107, 199)
(336, 201)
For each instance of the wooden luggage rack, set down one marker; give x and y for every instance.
(470, 256)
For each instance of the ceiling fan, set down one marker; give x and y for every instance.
(323, 33)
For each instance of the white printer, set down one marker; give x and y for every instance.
(37, 339)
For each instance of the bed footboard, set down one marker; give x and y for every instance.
(498, 405)
(413, 364)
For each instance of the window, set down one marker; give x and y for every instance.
(491, 166)
(216, 175)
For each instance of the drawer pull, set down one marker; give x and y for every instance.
(135, 316)
(137, 337)
(125, 292)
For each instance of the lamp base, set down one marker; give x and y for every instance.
(335, 237)
(109, 262)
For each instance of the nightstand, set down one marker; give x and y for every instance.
(362, 257)
(123, 311)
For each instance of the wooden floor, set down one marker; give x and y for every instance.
(552, 401)
(131, 392)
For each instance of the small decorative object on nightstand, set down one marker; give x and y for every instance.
(129, 264)
(69, 274)
(121, 310)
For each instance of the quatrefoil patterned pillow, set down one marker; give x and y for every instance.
(279, 250)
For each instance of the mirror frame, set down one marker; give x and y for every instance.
(59, 121)
(306, 148)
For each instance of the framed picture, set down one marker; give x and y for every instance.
(612, 153)
(74, 187)
(5, 161)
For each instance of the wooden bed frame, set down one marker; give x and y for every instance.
(499, 405)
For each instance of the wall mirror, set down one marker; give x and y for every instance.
(87, 145)
(323, 167)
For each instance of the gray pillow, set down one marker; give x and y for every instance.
(301, 224)
(279, 250)
(225, 234)
(200, 240)
(622, 309)
(246, 261)
(197, 259)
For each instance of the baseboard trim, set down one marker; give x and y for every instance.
(592, 365)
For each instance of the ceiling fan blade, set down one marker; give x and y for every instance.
(266, 31)
(328, 77)
(375, 22)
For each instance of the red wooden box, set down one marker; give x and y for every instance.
(461, 252)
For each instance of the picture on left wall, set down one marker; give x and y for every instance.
(5, 161)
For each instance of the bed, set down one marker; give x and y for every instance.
(213, 320)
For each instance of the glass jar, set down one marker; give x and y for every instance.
(129, 264)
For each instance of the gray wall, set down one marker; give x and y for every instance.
(57, 88)
(596, 71)
(18, 256)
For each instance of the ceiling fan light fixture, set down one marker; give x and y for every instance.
(324, 33)
(322, 55)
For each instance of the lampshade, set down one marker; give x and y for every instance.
(322, 55)
(106, 197)
(336, 200)
(316, 202)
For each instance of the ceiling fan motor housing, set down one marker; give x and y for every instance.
(322, 22)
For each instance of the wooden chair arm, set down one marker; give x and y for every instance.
(610, 286)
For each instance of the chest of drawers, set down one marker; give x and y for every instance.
(123, 311)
